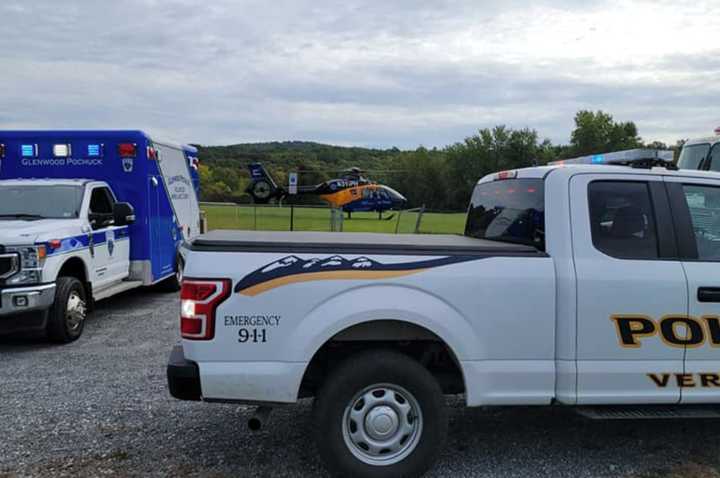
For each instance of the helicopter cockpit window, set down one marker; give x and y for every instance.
(509, 210)
(366, 193)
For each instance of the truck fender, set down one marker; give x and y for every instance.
(382, 302)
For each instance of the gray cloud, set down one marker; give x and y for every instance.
(360, 72)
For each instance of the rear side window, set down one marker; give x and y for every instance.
(622, 219)
(510, 210)
(704, 205)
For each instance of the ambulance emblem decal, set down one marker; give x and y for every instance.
(111, 242)
(127, 164)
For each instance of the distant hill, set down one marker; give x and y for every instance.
(224, 173)
(294, 154)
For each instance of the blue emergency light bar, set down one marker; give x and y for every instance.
(94, 150)
(28, 150)
(630, 157)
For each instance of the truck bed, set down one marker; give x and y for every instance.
(355, 243)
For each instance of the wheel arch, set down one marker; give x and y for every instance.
(383, 316)
(76, 267)
(413, 340)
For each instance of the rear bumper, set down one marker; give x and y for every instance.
(18, 300)
(183, 376)
(252, 382)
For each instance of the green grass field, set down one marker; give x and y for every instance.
(271, 218)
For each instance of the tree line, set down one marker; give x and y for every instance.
(439, 178)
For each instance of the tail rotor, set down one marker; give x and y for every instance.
(262, 187)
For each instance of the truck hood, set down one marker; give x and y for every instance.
(17, 232)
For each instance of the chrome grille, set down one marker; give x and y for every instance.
(9, 264)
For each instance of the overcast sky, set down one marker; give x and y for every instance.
(358, 72)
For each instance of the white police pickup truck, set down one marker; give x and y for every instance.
(583, 285)
(85, 215)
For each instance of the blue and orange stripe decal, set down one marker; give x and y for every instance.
(292, 270)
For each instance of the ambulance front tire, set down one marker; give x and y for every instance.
(66, 318)
(174, 282)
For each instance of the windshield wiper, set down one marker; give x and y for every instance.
(23, 216)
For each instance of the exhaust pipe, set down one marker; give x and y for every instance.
(259, 418)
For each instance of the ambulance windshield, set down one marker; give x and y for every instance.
(29, 202)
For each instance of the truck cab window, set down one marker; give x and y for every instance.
(101, 207)
(622, 219)
(715, 158)
(509, 210)
(692, 156)
(704, 204)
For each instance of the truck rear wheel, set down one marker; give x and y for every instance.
(66, 318)
(380, 414)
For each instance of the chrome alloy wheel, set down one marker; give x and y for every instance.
(382, 424)
(180, 273)
(75, 312)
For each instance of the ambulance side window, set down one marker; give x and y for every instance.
(101, 208)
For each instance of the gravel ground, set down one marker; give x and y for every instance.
(99, 407)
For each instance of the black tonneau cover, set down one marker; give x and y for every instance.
(355, 243)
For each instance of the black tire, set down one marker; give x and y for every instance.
(66, 318)
(174, 282)
(360, 374)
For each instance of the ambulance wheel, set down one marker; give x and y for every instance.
(380, 414)
(174, 282)
(66, 318)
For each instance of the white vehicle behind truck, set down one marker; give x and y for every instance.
(701, 153)
(587, 284)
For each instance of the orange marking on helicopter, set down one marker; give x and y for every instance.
(346, 196)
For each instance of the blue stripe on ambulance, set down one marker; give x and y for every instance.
(75, 243)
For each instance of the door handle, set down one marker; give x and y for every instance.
(709, 294)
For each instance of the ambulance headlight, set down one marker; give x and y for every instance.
(25, 277)
(32, 259)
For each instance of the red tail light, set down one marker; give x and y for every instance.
(199, 298)
(127, 150)
(152, 153)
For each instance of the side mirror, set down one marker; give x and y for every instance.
(123, 213)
